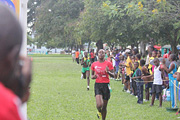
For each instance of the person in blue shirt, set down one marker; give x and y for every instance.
(139, 82)
(172, 81)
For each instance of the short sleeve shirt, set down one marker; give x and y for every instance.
(92, 55)
(128, 69)
(10, 105)
(77, 54)
(100, 71)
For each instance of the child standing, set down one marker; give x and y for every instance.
(157, 84)
(139, 82)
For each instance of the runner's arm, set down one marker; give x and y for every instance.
(110, 73)
(93, 75)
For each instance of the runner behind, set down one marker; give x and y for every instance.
(85, 62)
(77, 56)
(101, 71)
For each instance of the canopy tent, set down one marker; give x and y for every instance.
(157, 47)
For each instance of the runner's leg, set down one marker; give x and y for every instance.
(88, 80)
(99, 103)
(104, 109)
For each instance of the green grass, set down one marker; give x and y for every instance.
(58, 93)
(49, 55)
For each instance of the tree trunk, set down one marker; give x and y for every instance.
(89, 45)
(99, 45)
(132, 46)
(143, 48)
(173, 43)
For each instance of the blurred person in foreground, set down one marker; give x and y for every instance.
(15, 71)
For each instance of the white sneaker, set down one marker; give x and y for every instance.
(136, 96)
(87, 87)
(81, 76)
(128, 91)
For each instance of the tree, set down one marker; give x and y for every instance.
(56, 20)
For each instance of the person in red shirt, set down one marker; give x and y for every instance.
(101, 71)
(15, 71)
(165, 54)
(92, 56)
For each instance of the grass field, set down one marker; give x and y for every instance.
(58, 93)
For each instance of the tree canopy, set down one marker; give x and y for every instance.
(71, 23)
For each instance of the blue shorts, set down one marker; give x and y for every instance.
(117, 69)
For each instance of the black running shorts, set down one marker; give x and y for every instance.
(102, 89)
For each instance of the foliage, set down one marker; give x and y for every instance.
(55, 22)
(123, 22)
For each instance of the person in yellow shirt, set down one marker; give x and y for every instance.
(128, 71)
(132, 82)
(138, 58)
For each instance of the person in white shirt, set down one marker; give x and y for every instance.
(157, 83)
(73, 54)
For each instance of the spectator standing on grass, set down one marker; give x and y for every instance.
(73, 55)
(165, 54)
(77, 56)
(14, 77)
(172, 81)
(149, 84)
(157, 82)
(159, 54)
(139, 82)
(117, 61)
(92, 56)
(177, 74)
(128, 71)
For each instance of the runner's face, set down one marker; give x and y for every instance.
(101, 54)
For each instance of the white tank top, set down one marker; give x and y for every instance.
(157, 76)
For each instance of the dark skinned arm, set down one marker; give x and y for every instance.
(170, 69)
(93, 75)
(110, 72)
(82, 61)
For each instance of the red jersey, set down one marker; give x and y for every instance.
(100, 71)
(92, 55)
(165, 55)
(9, 104)
(109, 59)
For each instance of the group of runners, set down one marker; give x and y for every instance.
(136, 73)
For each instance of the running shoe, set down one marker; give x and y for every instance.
(99, 115)
(87, 87)
(128, 91)
(81, 76)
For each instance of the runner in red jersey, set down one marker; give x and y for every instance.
(101, 71)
